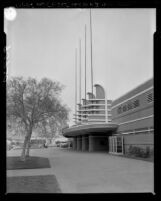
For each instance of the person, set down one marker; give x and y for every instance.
(45, 145)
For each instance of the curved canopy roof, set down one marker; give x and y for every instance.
(89, 129)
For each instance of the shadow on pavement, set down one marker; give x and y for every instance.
(33, 162)
(33, 184)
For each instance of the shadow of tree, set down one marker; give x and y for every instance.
(33, 162)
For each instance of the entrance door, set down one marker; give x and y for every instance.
(119, 144)
(116, 144)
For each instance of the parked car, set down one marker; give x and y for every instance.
(64, 145)
(16, 147)
(40, 146)
(9, 145)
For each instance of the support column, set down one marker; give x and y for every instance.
(79, 143)
(69, 143)
(85, 143)
(75, 143)
(91, 143)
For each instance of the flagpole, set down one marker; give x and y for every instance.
(85, 64)
(80, 71)
(91, 52)
(76, 86)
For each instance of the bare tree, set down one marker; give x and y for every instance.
(14, 127)
(34, 103)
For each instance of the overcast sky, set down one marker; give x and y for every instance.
(43, 43)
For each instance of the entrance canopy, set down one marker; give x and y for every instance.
(89, 129)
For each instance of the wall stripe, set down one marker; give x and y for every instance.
(136, 120)
(134, 132)
(132, 97)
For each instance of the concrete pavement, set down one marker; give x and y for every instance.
(79, 172)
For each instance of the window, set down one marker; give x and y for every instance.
(119, 110)
(136, 103)
(129, 106)
(150, 98)
(124, 108)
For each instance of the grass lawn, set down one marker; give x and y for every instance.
(33, 184)
(32, 162)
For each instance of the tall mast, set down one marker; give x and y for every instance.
(85, 63)
(80, 71)
(76, 85)
(91, 52)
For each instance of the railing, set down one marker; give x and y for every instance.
(95, 109)
(94, 104)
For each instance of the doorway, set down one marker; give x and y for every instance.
(116, 145)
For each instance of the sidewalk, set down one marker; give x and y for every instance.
(79, 172)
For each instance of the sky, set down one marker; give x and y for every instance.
(43, 44)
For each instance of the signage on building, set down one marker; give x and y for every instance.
(128, 106)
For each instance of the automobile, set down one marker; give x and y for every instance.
(16, 147)
(9, 145)
(58, 145)
(64, 145)
(40, 146)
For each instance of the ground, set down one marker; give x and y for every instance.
(79, 172)
(33, 184)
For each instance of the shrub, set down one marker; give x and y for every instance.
(130, 149)
(139, 152)
(152, 152)
(147, 153)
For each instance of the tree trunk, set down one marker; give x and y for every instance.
(28, 148)
(23, 156)
(26, 145)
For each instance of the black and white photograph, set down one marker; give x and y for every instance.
(79, 100)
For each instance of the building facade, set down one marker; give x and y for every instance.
(133, 113)
(121, 126)
(92, 123)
